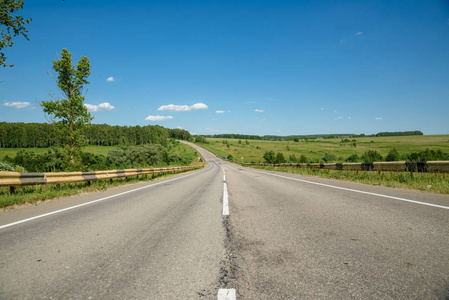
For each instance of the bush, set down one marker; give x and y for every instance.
(371, 156)
(329, 157)
(303, 159)
(280, 159)
(270, 157)
(6, 167)
(353, 158)
(393, 155)
(293, 159)
(428, 155)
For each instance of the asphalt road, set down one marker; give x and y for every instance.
(286, 237)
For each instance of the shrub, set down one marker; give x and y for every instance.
(393, 155)
(280, 159)
(353, 158)
(329, 157)
(371, 155)
(270, 157)
(303, 159)
(6, 167)
(428, 155)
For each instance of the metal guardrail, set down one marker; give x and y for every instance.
(393, 166)
(13, 179)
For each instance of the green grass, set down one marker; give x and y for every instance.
(315, 149)
(187, 152)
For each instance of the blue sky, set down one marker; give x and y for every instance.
(253, 67)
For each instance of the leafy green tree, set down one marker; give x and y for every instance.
(15, 25)
(69, 115)
(329, 157)
(393, 155)
(280, 159)
(303, 159)
(371, 155)
(353, 158)
(293, 159)
(270, 157)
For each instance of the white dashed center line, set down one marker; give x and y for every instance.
(226, 294)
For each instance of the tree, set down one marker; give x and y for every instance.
(303, 159)
(371, 155)
(15, 25)
(353, 158)
(393, 155)
(70, 115)
(329, 157)
(280, 159)
(270, 157)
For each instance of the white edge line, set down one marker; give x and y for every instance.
(357, 191)
(226, 294)
(94, 201)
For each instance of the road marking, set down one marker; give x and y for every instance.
(225, 200)
(98, 200)
(226, 294)
(357, 191)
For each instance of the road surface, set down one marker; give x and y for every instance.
(227, 229)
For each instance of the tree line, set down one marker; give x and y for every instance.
(296, 138)
(368, 156)
(44, 135)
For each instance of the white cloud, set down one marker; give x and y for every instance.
(259, 110)
(380, 118)
(335, 111)
(100, 107)
(359, 33)
(322, 108)
(220, 111)
(349, 118)
(17, 104)
(110, 79)
(338, 118)
(158, 118)
(174, 107)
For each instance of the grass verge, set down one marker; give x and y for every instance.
(429, 182)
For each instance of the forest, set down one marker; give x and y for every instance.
(42, 135)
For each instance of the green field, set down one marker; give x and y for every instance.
(315, 149)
